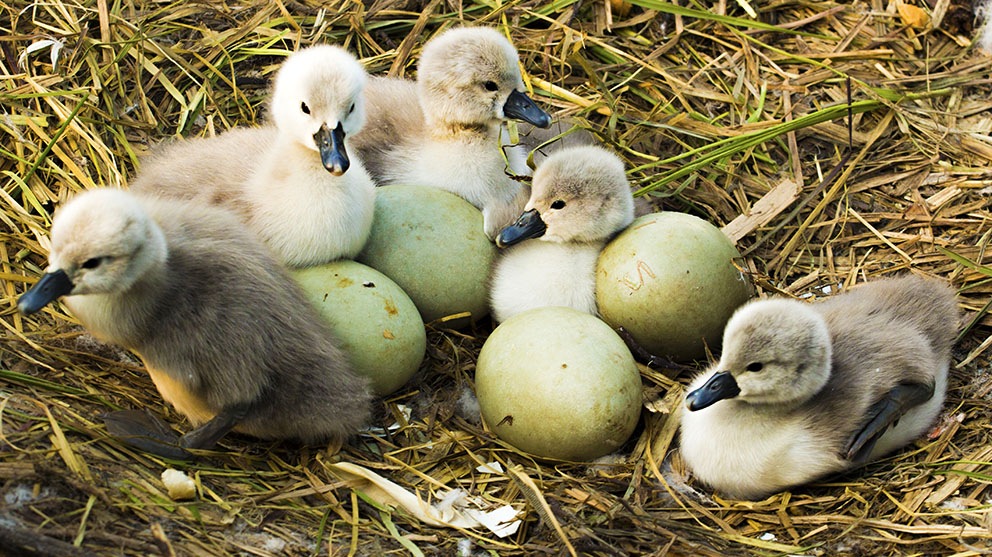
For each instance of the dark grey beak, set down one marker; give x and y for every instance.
(520, 107)
(529, 225)
(722, 385)
(333, 155)
(51, 286)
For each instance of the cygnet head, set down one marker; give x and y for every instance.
(102, 242)
(470, 76)
(579, 194)
(774, 352)
(318, 101)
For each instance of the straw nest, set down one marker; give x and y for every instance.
(716, 113)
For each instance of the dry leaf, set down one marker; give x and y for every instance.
(912, 15)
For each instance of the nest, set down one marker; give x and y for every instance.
(737, 117)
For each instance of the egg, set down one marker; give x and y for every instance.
(670, 280)
(432, 243)
(558, 383)
(376, 322)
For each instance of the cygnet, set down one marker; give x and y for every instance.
(293, 182)
(579, 200)
(227, 336)
(805, 390)
(444, 130)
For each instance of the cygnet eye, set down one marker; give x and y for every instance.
(92, 263)
(558, 204)
(352, 109)
(755, 366)
(490, 86)
(305, 108)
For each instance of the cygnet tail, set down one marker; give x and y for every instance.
(344, 408)
(332, 408)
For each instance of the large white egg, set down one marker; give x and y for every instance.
(670, 280)
(379, 327)
(558, 383)
(432, 243)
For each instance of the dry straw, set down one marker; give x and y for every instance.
(728, 117)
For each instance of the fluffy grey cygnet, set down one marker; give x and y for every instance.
(228, 337)
(805, 390)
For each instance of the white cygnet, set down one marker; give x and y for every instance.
(443, 131)
(579, 200)
(294, 182)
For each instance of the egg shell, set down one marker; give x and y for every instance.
(558, 383)
(376, 322)
(432, 243)
(669, 279)
(179, 485)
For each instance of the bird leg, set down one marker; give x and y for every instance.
(885, 412)
(642, 355)
(143, 430)
(207, 435)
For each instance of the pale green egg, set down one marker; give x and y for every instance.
(376, 322)
(670, 280)
(432, 243)
(558, 383)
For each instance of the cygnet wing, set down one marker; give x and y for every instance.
(883, 413)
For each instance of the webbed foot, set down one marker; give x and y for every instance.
(642, 355)
(144, 431)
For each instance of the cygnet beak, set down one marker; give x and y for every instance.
(51, 286)
(722, 385)
(529, 225)
(520, 107)
(333, 155)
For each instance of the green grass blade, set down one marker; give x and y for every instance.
(668, 8)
